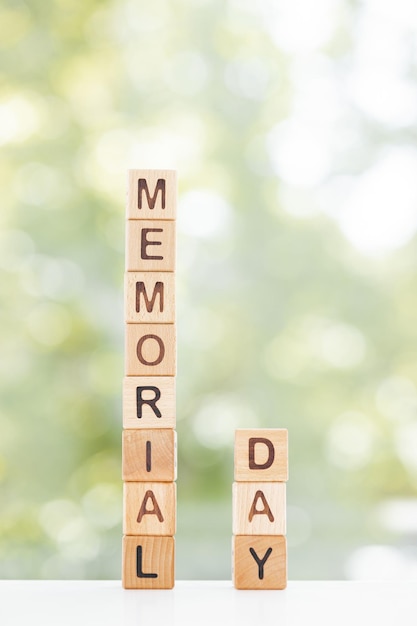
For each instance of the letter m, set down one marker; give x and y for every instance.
(151, 200)
(149, 302)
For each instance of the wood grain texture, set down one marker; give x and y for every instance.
(149, 455)
(150, 567)
(259, 509)
(261, 454)
(150, 297)
(149, 508)
(150, 350)
(150, 246)
(149, 402)
(151, 194)
(259, 562)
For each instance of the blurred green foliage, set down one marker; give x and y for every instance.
(282, 321)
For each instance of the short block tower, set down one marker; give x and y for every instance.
(259, 509)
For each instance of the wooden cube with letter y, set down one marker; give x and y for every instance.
(259, 562)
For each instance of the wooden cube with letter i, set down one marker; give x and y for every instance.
(259, 551)
(149, 416)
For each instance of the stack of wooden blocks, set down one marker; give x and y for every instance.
(259, 510)
(149, 438)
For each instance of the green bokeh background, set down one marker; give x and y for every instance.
(282, 320)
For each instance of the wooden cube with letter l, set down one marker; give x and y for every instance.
(148, 562)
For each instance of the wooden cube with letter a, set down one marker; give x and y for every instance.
(259, 562)
(261, 454)
(148, 562)
(259, 509)
(149, 508)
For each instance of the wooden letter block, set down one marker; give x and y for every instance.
(259, 562)
(149, 402)
(259, 509)
(151, 194)
(150, 297)
(149, 508)
(150, 246)
(261, 454)
(148, 562)
(149, 455)
(150, 350)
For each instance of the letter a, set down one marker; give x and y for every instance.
(259, 495)
(149, 495)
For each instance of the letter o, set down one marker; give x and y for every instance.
(160, 356)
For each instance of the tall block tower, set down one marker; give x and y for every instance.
(149, 447)
(259, 509)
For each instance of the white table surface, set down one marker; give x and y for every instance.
(105, 603)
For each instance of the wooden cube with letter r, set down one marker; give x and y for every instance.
(149, 402)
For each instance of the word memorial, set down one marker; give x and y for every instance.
(149, 447)
(259, 510)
